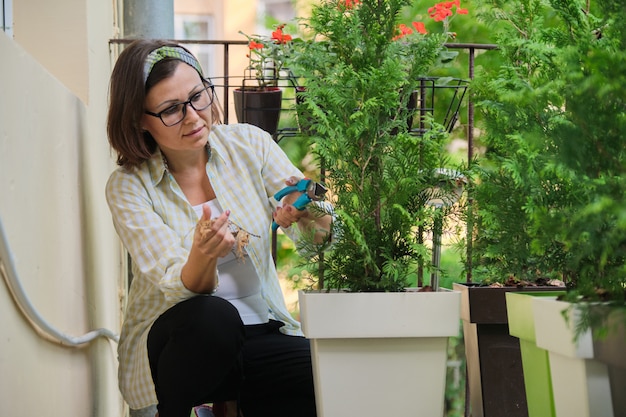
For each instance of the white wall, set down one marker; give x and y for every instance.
(54, 162)
(53, 31)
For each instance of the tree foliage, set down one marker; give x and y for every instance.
(551, 192)
(359, 76)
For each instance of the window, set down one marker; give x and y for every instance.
(197, 27)
(6, 17)
(280, 10)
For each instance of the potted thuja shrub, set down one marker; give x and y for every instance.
(361, 65)
(588, 359)
(555, 117)
(503, 262)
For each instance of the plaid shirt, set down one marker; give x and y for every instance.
(155, 223)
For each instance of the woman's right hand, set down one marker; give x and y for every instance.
(212, 236)
(212, 240)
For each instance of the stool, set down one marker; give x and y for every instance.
(203, 411)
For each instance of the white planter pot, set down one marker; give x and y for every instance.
(579, 381)
(380, 354)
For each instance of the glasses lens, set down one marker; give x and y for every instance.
(173, 114)
(176, 113)
(202, 99)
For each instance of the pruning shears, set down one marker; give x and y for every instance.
(311, 191)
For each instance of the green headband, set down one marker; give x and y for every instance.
(175, 52)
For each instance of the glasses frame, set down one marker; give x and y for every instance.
(207, 86)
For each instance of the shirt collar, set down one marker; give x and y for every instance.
(158, 165)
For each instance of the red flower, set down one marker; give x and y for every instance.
(405, 30)
(440, 11)
(255, 45)
(348, 4)
(279, 37)
(420, 27)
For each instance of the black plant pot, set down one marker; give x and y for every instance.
(494, 361)
(259, 107)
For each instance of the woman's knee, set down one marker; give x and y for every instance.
(202, 321)
(213, 314)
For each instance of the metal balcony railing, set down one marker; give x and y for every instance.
(225, 82)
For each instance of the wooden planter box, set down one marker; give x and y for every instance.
(494, 362)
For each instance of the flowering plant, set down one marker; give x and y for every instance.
(267, 55)
(361, 67)
(440, 12)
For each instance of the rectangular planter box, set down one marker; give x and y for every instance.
(535, 360)
(380, 354)
(612, 352)
(494, 361)
(581, 381)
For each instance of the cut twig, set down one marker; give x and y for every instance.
(242, 238)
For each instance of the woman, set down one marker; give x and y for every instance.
(206, 319)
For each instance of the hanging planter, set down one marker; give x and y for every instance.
(429, 100)
(260, 104)
(259, 107)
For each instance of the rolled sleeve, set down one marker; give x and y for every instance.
(158, 253)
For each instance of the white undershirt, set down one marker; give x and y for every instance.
(238, 280)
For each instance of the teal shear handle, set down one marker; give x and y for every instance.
(311, 191)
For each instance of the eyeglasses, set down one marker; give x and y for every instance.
(177, 112)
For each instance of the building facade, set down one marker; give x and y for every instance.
(63, 266)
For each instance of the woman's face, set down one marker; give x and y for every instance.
(192, 132)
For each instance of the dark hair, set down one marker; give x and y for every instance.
(127, 94)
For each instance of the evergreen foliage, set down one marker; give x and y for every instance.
(359, 76)
(551, 193)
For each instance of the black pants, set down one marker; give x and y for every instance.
(200, 351)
